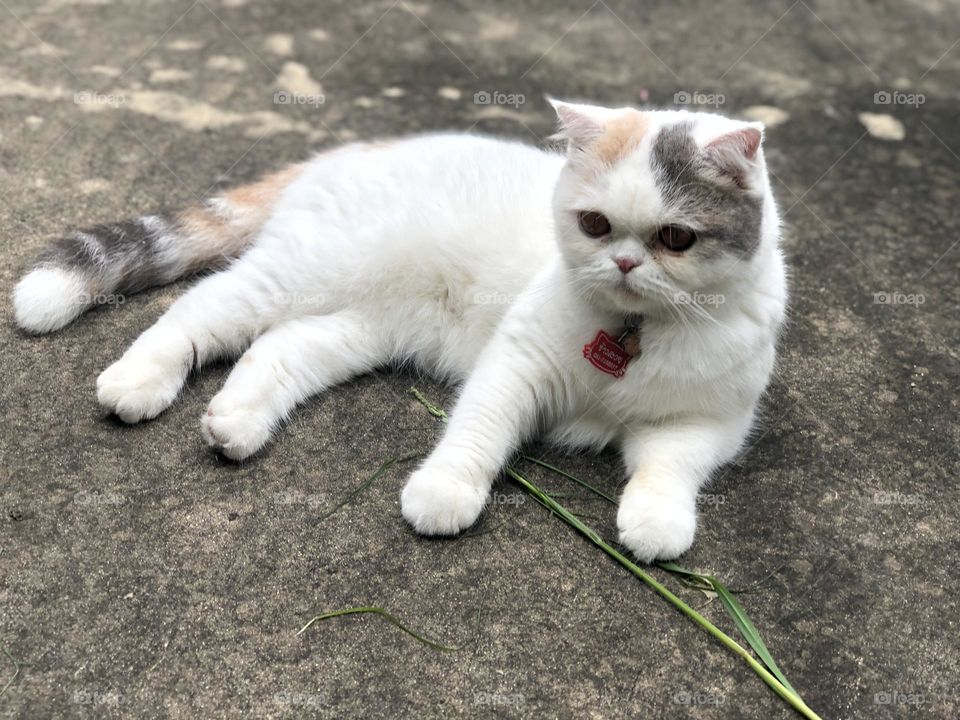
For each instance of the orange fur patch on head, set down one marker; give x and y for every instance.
(620, 136)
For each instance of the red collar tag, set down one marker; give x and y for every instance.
(607, 354)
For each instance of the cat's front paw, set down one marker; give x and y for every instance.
(656, 526)
(235, 432)
(136, 390)
(437, 503)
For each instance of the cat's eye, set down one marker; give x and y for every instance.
(675, 238)
(593, 223)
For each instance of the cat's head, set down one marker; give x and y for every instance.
(661, 207)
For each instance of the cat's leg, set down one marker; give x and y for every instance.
(218, 317)
(282, 368)
(495, 413)
(667, 465)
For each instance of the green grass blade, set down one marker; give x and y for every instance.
(367, 483)
(739, 616)
(701, 582)
(750, 632)
(568, 476)
(789, 696)
(17, 667)
(375, 610)
(435, 410)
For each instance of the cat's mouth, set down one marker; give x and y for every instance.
(628, 298)
(624, 287)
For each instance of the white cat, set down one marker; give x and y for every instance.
(629, 292)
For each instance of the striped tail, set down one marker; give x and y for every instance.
(102, 263)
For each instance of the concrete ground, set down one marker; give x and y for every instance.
(142, 576)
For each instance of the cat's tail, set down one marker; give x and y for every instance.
(105, 262)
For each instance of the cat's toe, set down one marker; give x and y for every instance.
(655, 526)
(436, 503)
(136, 391)
(235, 433)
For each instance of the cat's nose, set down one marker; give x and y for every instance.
(626, 264)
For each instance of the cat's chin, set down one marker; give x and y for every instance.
(623, 299)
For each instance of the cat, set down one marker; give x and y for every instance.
(627, 289)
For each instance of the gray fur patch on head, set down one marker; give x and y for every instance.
(728, 216)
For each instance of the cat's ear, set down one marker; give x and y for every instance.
(598, 136)
(737, 153)
(580, 125)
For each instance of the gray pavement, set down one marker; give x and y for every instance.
(141, 576)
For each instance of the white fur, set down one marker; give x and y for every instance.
(443, 250)
(48, 298)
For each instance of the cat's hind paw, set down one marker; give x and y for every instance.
(436, 503)
(654, 526)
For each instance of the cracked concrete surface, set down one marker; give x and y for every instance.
(142, 576)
